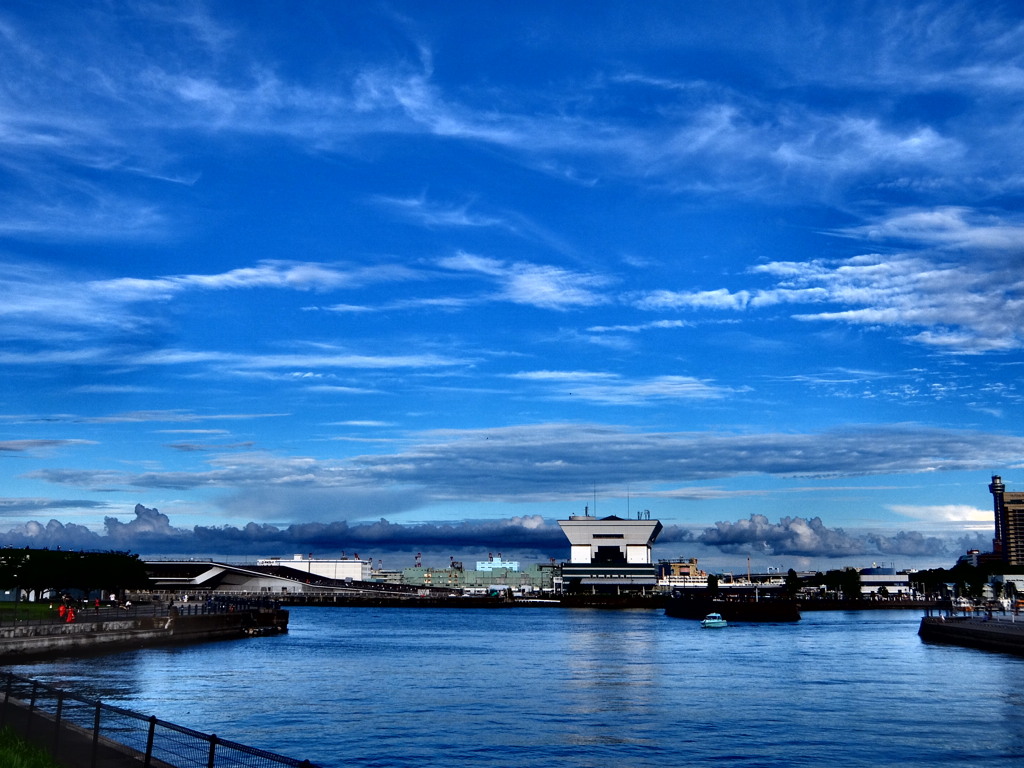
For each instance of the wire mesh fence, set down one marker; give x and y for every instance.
(47, 715)
(23, 614)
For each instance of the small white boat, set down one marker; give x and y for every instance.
(713, 621)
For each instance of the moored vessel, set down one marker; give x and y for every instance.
(765, 610)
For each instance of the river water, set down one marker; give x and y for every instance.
(542, 687)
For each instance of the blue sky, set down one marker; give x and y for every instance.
(397, 277)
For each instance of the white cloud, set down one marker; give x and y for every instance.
(539, 285)
(125, 115)
(959, 303)
(715, 299)
(468, 262)
(433, 214)
(563, 376)
(328, 359)
(653, 325)
(613, 389)
(40, 301)
(943, 513)
(955, 307)
(946, 227)
(101, 215)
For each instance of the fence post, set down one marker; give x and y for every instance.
(7, 696)
(96, 734)
(213, 750)
(31, 707)
(56, 721)
(149, 740)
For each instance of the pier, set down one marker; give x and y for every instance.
(996, 633)
(143, 626)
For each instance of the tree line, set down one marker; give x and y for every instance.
(967, 580)
(41, 571)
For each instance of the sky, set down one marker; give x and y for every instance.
(391, 277)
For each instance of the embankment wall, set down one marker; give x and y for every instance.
(33, 641)
(1001, 635)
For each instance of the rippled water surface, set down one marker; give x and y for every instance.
(539, 687)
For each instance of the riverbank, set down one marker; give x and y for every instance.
(33, 640)
(999, 633)
(655, 601)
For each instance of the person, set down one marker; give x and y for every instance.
(71, 616)
(61, 611)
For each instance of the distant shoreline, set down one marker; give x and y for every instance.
(653, 602)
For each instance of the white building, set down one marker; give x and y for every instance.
(609, 554)
(339, 570)
(874, 579)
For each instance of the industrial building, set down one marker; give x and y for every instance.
(537, 577)
(609, 555)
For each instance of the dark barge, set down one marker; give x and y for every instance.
(767, 610)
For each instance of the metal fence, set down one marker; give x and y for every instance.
(47, 715)
(88, 612)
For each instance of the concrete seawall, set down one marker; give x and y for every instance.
(28, 641)
(997, 634)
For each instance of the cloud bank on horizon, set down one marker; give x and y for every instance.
(286, 272)
(800, 541)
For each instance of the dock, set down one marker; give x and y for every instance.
(1000, 633)
(143, 627)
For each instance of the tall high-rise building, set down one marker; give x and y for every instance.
(1009, 518)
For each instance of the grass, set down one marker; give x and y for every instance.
(26, 610)
(15, 752)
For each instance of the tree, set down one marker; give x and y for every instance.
(845, 582)
(969, 580)
(792, 583)
(42, 570)
(712, 584)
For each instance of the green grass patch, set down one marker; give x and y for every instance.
(25, 610)
(15, 752)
